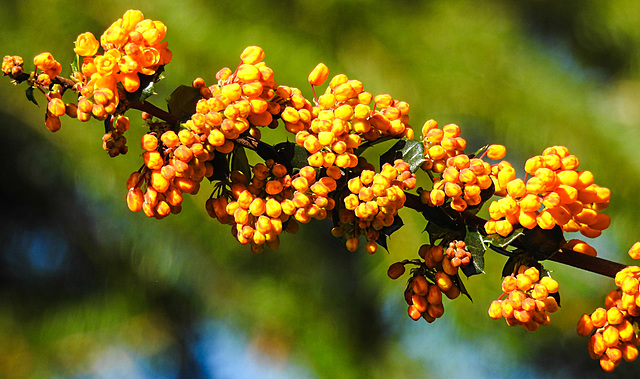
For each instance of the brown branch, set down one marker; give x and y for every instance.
(154, 111)
(565, 256)
(587, 262)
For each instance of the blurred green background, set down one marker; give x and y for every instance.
(89, 289)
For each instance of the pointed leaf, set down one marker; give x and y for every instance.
(147, 86)
(541, 243)
(509, 266)
(463, 290)
(388, 230)
(183, 100)
(75, 65)
(240, 162)
(477, 248)
(410, 151)
(220, 167)
(29, 93)
(500, 241)
(437, 232)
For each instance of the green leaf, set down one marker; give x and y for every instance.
(509, 266)
(29, 93)
(240, 162)
(364, 146)
(299, 157)
(500, 241)
(438, 232)
(542, 243)
(479, 151)
(463, 290)
(75, 65)
(438, 216)
(475, 245)
(182, 102)
(387, 230)
(220, 167)
(147, 86)
(410, 151)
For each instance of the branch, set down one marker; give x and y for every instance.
(587, 262)
(154, 111)
(565, 256)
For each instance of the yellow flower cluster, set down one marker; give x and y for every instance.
(556, 193)
(373, 203)
(434, 278)
(260, 208)
(458, 177)
(175, 164)
(613, 329)
(132, 46)
(528, 301)
(342, 117)
(240, 101)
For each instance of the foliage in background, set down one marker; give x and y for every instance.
(497, 69)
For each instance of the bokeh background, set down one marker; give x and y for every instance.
(89, 289)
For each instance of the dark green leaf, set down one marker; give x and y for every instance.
(388, 230)
(518, 258)
(220, 167)
(438, 216)
(147, 86)
(147, 91)
(183, 100)
(368, 144)
(410, 151)
(30, 96)
(476, 246)
(299, 158)
(463, 290)
(556, 295)
(542, 243)
(509, 266)
(437, 232)
(240, 162)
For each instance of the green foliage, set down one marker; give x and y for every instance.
(486, 72)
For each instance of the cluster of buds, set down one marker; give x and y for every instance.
(12, 65)
(114, 142)
(241, 100)
(373, 203)
(174, 164)
(434, 276)
(459, 177)
(457, 256)
(342, 117)
(555, 194)
(260, 208)
(529, 299)
(613, 329)
(132, 46)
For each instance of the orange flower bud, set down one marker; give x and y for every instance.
(86, 45)
(585, 326)
(44, 61)
(496, 152)
(319, 75)
(252, 55)
(495, 310)
(634, 251)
